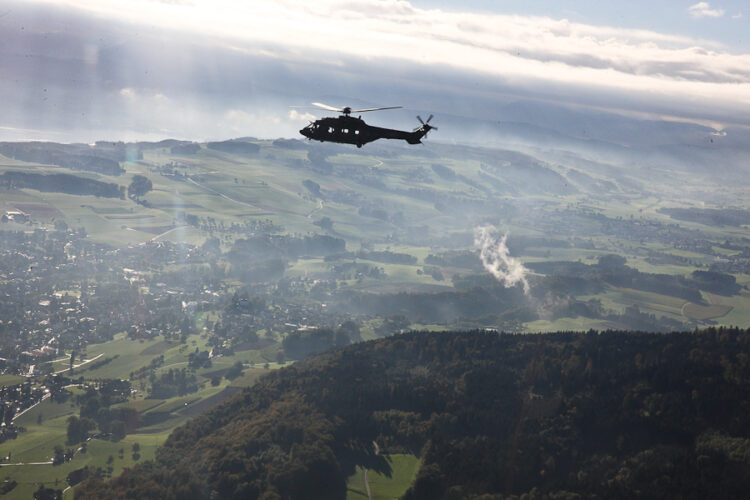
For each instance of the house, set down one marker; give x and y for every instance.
(16, 216)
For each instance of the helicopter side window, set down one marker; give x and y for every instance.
(356, 132)
(345, 130)
(330, 130)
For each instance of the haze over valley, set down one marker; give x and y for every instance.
(180, 267)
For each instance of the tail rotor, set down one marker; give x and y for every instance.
(426, 127)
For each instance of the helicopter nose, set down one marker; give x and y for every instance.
(305, 132)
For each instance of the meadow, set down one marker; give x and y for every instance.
(45, 425)
(403, 470)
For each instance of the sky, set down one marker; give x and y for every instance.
(83, 70)
(726, 20)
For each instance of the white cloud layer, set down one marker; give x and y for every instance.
(703, 9)
(193, 59)
(508, 46)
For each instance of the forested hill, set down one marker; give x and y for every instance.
(566, 415)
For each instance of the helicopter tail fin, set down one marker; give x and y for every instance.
(421, 131)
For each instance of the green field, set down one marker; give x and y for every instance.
(35, 445)
(46, 423)
(11, 379)
(237, 189)
(702, 313)
(740, 313)
(384, 487)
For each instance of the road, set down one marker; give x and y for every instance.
(167, 232)
(367, 486)
(26, 463)
(318, 209)
(30, 407)
(367, 483)
(221, 194)
(80, 364)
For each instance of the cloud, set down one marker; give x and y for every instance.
(213, 56)
(296, 116)
(703, 9)
(509, 46)
(737, 16)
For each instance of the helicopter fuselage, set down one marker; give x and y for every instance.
(347, 129)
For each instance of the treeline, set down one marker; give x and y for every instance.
(98, 411)
(103, 157)
(285, 246)
(442, 307)
(185, 149)
(611, 269)
(563, 415)
(234, 146)
(387, 257)
(709, 216)
(457, 258)
(265, 257)
(173, 383)
(62, 183)
(289, 144)
(300, 344)
(384, 256)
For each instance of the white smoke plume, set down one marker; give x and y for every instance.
(497, 260)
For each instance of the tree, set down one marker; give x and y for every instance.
(351, 329)
(612, 262)
(325, 223)
(59, 455)
(117, 428)
(212, 246)
(78, 429)
(341, 338)
(235, 371)
(47, 493)
(139, 186)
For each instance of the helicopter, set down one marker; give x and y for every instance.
(348, 129)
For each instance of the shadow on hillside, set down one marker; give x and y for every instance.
(364, 456)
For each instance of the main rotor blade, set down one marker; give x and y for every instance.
(420, 119)
(375, 109)
(326, 106)
(429, 118)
